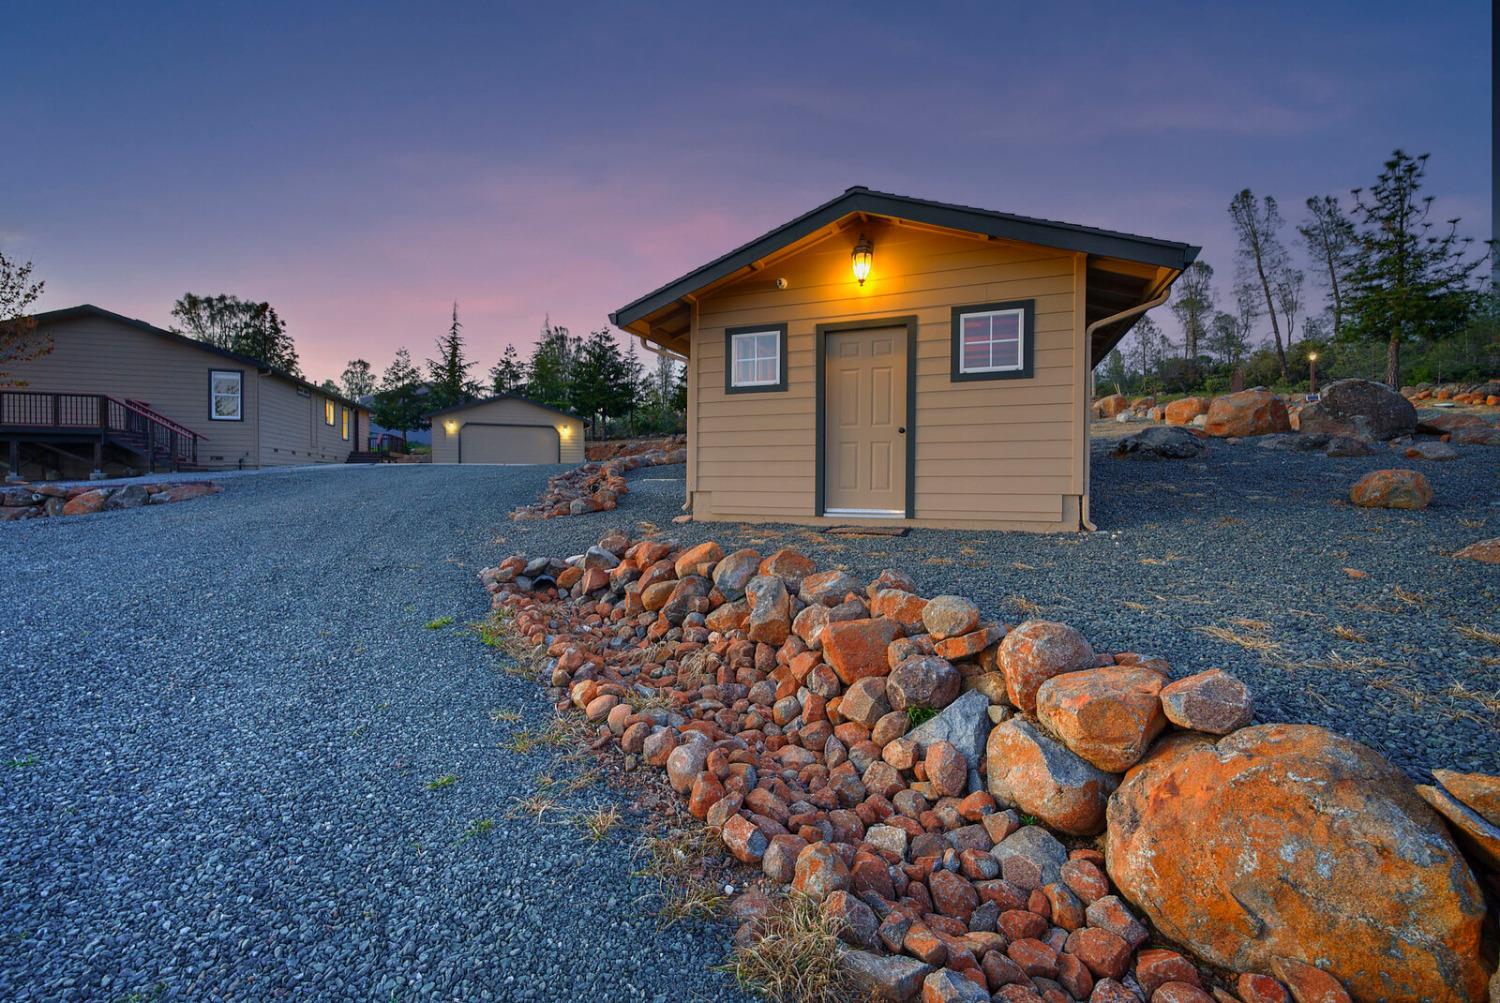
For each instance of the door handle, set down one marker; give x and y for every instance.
(901, 430)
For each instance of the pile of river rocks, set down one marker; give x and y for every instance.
(593, 487)
(32, 501)
(1005, 813)
(608, 449)
(1487, 393)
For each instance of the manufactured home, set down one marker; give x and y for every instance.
(112, 389)
(890, 360)
(506, 428)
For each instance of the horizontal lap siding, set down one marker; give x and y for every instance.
(95, 355)
(987, 451)
(293, 430)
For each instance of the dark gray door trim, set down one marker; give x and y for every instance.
(819, 351)
(505, 424)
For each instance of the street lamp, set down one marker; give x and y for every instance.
(1312, 372)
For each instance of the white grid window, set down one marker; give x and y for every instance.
(225, 395)
(756, 359)
(991, 342)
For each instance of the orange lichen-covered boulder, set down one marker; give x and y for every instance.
(1289, 841)
(1182, 412)
(856, 648)
(1391, 489)
(1249, 412)
(1108, 407)
(1028, 769)
(1109, 716)
(1486, 551)
(1036, 651)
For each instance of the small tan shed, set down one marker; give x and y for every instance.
(505, 429)
(887, 359)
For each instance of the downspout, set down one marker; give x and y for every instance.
(1088, 345)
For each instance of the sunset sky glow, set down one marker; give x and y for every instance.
(363, 166)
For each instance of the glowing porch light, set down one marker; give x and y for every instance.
(862, 257)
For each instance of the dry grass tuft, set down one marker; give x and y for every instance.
(597, 822)
(1132, 604)
(1022, 566)
(534, 806)
(504, 715)
(1477, 633)
(1490, 702)
(683, 863)
(1025, 605)
(795, 957)
(1251, 636)
(1349, 634)
(639, 702)
(1409, 597)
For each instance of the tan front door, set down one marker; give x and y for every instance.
(864, 445)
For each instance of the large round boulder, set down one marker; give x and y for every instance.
(1036, 651)
(1182, 412)
(1039, 775)
(1289, 841)
(1395, 488)
(1361, 408)
(1249, 412)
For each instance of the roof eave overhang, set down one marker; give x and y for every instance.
(1048, 233)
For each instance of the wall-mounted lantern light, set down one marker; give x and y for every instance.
(863, 256)
(451, 427)
(565, 431)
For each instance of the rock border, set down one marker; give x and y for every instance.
(32, 501)
(780, 702)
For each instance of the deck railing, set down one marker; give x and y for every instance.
(128, 421)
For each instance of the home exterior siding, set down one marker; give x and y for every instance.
(99, 355)
(1003, 453)
(508, 411)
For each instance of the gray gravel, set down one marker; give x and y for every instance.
(219, 722)
(1243, 532)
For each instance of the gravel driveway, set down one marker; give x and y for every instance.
(220, 721)
(221, 718)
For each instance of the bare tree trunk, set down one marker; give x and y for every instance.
(1393, 360)
(1265, 286)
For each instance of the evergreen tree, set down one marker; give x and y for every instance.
(508, 376)
(1193, 305)
(1257, 224)
(358, 379)
(1147, 347)
(400, 402)
(1115, 374)
(551, 366)
(1329, 238)
(228, 322)
(448, 374)
(1408, 281)
(598, 380)
(634, 379)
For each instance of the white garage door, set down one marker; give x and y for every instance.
(507, 444)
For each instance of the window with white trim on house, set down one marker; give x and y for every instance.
(226, 395)
(756, 359)
(992, 341)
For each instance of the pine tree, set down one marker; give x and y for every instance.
(1258, 225)
(1329, 238)
(1406, 282)
(597, 384)
(1193, 305)
(551, 366)
(358, 379)
(633, 384)
(508, 376)
(228, 322)
(449, 373)
(400, 402)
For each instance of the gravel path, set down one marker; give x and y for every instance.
(1246, 534)
(221, 718)
(220, 721)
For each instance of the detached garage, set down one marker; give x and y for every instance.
(505, 429)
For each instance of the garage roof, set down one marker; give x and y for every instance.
(501, 397)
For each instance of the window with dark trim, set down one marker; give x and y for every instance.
(755, 359)
(328, 413)
(993, 341)
(226, 395)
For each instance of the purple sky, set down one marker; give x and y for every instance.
(363, 169)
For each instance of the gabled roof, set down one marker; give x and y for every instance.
(501, 397)
(859, 199)
(89, 310)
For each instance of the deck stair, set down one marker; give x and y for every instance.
(97, 419)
